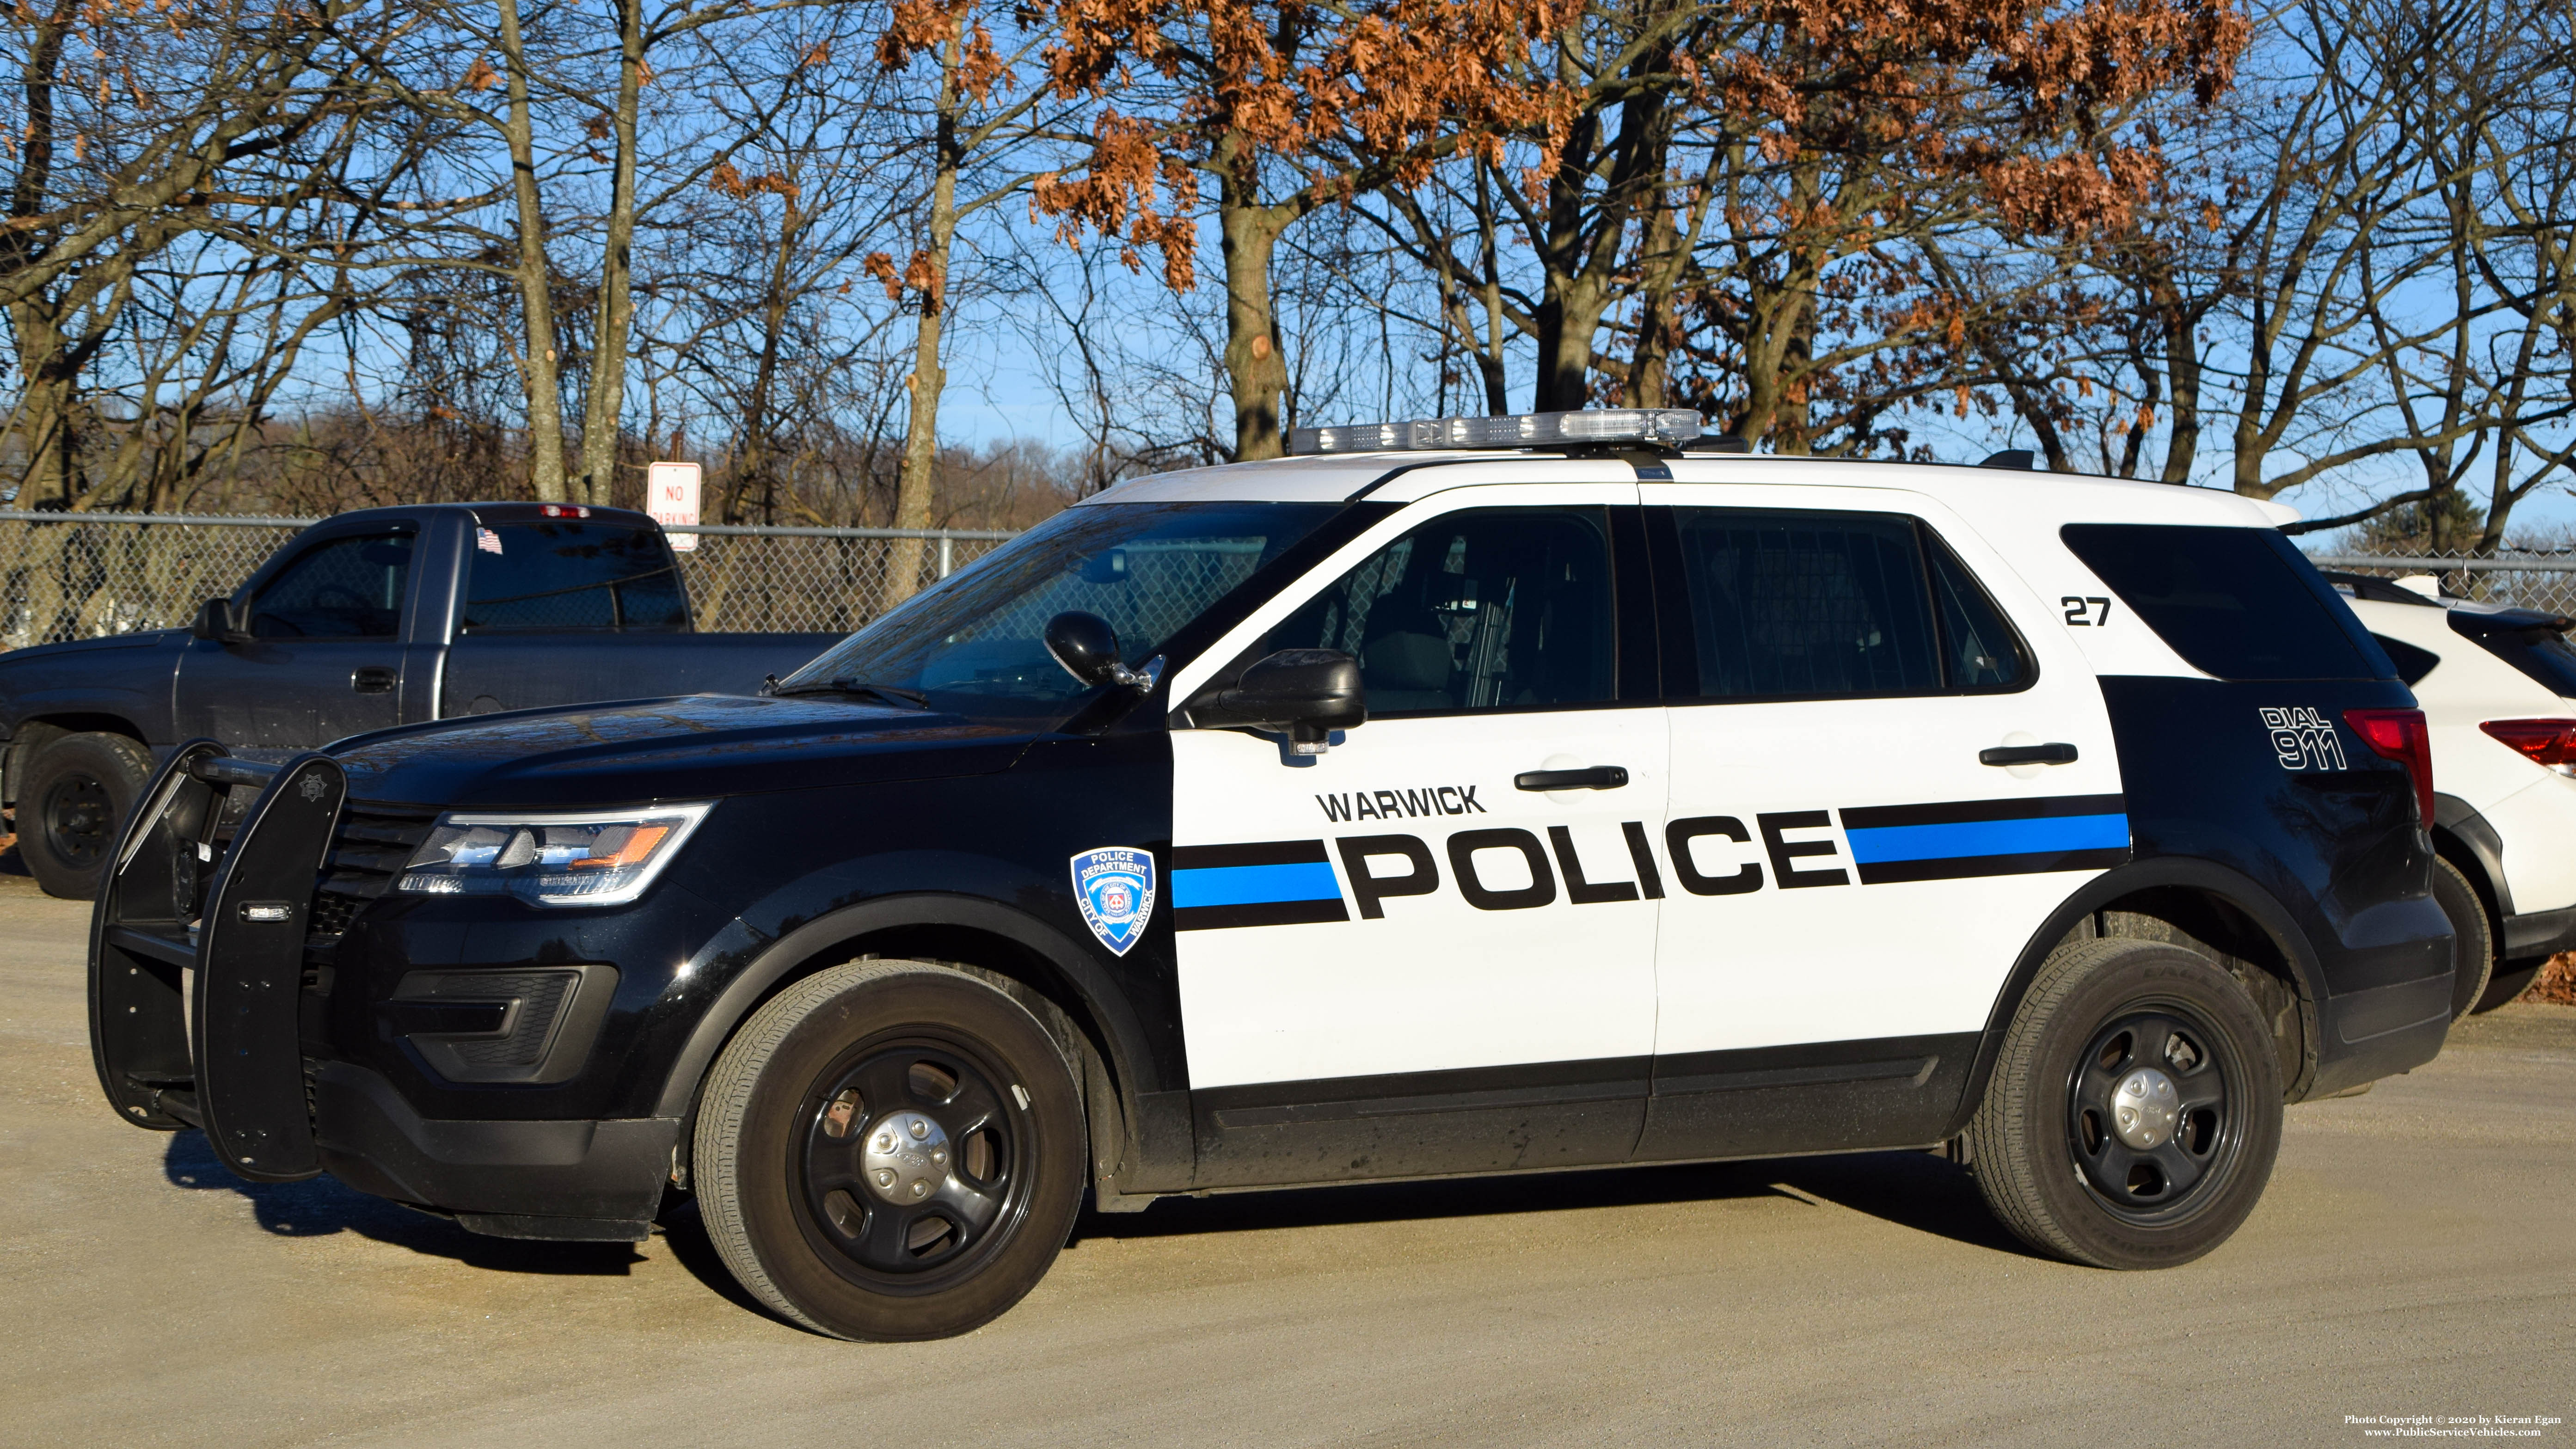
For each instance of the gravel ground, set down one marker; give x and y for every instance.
(2416, 1255)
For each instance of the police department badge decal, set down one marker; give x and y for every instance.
(1114, 886)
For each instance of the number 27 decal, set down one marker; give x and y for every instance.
(2083, 612)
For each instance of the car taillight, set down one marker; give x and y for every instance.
(2400, 735)
(2547, 741)
(562, 510)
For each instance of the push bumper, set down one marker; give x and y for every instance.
(198, 982)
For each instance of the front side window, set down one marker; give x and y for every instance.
(348, 588)
(976, 642)
(572, 574)
(1482, 609)
(1801, 605)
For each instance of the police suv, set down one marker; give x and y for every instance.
(1468, 796)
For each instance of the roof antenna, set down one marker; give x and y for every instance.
(2008, 458)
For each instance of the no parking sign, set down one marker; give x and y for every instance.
(671, 496)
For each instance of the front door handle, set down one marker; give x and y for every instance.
(373, 679)
(2057, 754)
(1599, 777)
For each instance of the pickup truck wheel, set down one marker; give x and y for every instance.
(71, 807)
(889, 1150)
(2134, 1110)
(2472, 942)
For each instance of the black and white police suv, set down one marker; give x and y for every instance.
(1483, 795)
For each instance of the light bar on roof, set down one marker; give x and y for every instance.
(1654, 427)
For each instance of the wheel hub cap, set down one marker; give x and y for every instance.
(906, 1157)
(2145, 1109)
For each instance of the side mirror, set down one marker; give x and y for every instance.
(1088, 649)
(1308, 692)
(216, 620)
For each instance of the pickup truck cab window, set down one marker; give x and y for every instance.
(562, 574)
(347, 588)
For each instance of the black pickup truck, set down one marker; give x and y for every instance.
(367, 620)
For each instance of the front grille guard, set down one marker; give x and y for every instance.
(183, 910)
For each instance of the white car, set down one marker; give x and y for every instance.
(2498, 687)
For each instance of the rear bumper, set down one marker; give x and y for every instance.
(594, 1180)
(2380, 1032)
(2387, 1000)
(2539, 935)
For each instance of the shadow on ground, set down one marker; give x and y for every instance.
(1918, 1190)
(321, 1206)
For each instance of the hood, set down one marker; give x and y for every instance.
(144, 639)
(696, 747)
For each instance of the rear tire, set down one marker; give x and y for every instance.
(890, 1150)
(2472, 938)
(2134, 1110)
(72, 806)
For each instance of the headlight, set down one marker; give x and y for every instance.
(597, 858)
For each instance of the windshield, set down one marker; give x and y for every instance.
(975, 643)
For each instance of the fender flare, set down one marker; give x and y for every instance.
(1121, 1035)
(2234, 887)
(2453, 817)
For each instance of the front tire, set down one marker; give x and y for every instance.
(890, 1150)
(73, 805)
(2134, 1110)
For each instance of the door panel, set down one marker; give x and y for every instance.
(1393, 959)
(325, 658)
(1846, 867)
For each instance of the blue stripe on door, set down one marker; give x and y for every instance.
(2048, 835)
(1245, 885)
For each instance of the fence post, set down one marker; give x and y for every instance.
(947, 553)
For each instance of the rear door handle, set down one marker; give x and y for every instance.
(373, 679)
(2057, 754)
(1599, 777)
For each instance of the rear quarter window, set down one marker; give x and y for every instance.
(2238, 603)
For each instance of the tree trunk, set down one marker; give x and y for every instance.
(2183, 368)
(1255, 370)
(48, 400)
(48, 376)
(921, 429)
(606, 403)
(542, 369)
(756, 466)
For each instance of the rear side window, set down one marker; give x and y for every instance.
(568, 574)
(1795, 605)
(2239, 603)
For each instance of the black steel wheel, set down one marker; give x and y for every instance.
(2134, 1109)
(890, 1150)
(72, 805)
(2149, 1114)
(907, 1167)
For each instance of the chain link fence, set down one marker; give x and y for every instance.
(83, 575)
(2545, 581)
